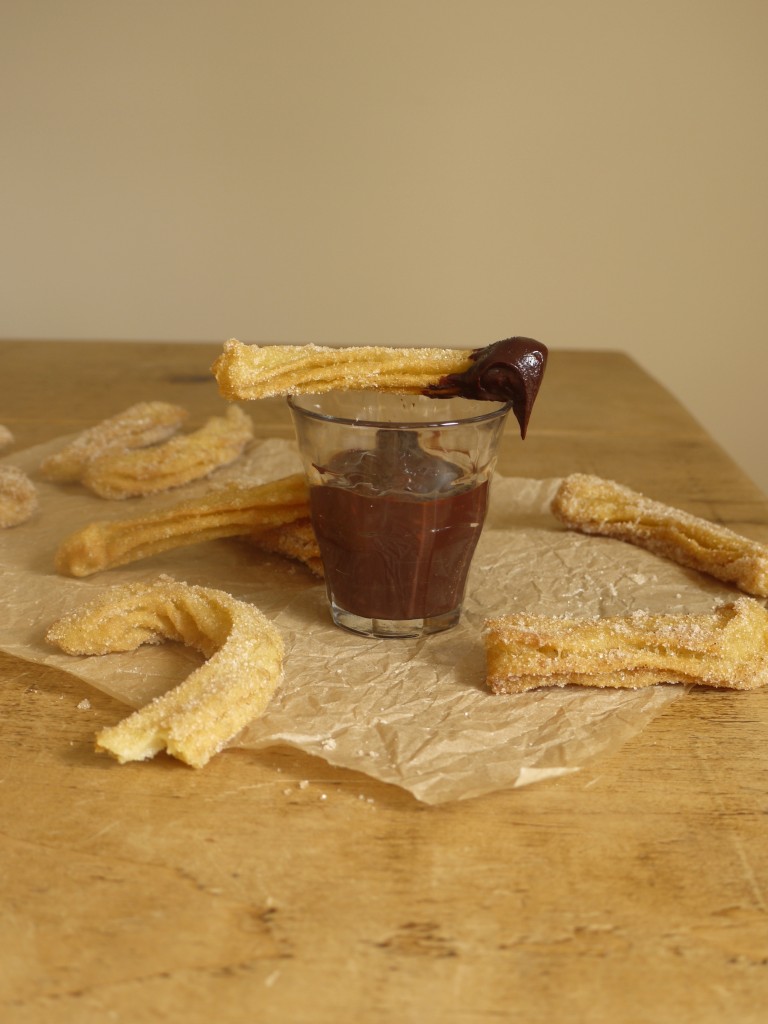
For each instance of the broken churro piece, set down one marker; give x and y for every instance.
(596, 506)
(232, 511)
(507, 371)
(196, 719)
(18, 497)
(178, 461)
(136, 427)
(724, 648)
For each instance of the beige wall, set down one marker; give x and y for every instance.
(591, 173)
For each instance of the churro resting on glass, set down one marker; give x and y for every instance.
(725, 648)
(596, 506)
(199, 717)
(135, 427)
(18, 497)
(232, 511)
(507, 371)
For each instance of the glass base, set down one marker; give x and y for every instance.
(392, 628)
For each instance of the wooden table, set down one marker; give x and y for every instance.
(272, 887)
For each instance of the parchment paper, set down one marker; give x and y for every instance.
(414, 713)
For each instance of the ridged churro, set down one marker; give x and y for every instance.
(295, 540)
(232, 511)
(725, 648)
(18, 497)
(135, 427)
(597, 506)
(507, 371)
(175, 462)
(196, 719)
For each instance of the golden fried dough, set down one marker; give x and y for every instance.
(136, 427)
(596, 506)
(18, 497)
(178, 461)
(259, 371)
(724, 648)
(196, 719)
(232, 511)
(295, 540)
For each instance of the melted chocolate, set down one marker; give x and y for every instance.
(508, 371)
(396, 535)
(397, 556)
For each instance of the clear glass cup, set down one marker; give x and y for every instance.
(398, 491)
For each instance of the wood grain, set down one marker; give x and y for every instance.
(272, 887)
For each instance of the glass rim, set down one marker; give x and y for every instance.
(501, 409)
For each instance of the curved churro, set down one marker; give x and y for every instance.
(196, 719)
(18, 497)
(178, 461)
(136, 427)
(232, 511)
(507, 371)
(725, 648)
(596, 506)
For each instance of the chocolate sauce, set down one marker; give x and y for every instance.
(395, 529)
(397, 556)
(508, 371)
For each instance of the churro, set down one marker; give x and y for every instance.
(178, 461)
(725, 648)
(197, 718)
(295, 540)
(596, 506)
(507, 371)
(18, 497)
(232, 511)
(136, 427)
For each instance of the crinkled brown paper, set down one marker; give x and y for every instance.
(414, 713)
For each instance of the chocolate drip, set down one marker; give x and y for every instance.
(508, 371)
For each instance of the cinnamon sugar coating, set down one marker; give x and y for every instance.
(196, 719)
(295, 540)
(597, 506)
(724, 648)
(233, 511)
(175, 462)
(18, 497)
(139, 425)
(262, 371)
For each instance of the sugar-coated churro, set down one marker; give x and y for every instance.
(507, 371)
(178, 461)
(199, 717)
(139, 425)
(18, 497)
(597, 506)
(725, 648)
(295, 540)
(232, 511)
